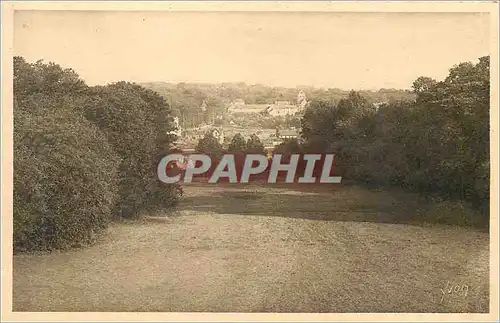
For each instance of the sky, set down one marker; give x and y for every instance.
(337, 50)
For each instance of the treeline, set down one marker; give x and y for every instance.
(437, 145)
(186, 99)
(83, 155)
(239, 149)
(211, 146)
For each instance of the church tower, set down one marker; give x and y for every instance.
(301, 100)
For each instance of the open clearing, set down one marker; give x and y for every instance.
(228, 248)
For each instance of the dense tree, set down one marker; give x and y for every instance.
(137, 122)
(83, 155)
(65, 177)
(437, 144)
(65, 171)
(237, 144)
(254, 145)
(291, 146)
(423, 84)
(209, 145)
(45, 78)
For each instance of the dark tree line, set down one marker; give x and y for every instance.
(210, 145)
(437, 144)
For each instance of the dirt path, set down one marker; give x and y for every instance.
(265, 250)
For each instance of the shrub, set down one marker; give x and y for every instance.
(136, 122)
(209, 145)
(83, 155)
(254, 145)
(237, 144)
(290, 146)
(65, 176)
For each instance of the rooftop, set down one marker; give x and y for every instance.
(289, 133)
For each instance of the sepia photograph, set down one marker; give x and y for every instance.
(302, 159)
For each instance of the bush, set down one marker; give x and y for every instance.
(237, 144)
(290, 146)
(65, 177)
(136, 122)
(254, 145)
(209, 145)
(83, 155)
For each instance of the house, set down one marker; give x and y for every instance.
(236, 106)
(178, 130)
(288, 134)
(219, 134)
(251, 108)
(239, 102)
(282, 109)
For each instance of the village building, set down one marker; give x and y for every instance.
(239, 102)
(251, 108)
(236, 105)
(178, 129)
(278, 108)
(288, 134)
(282, 108)
(203, 106)
(219, 134)
(301, 100)
(186, 151)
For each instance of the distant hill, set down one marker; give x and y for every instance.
(198, 102)
(262, 94)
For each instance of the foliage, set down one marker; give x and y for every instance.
(186, 99)
(65, 175)
(209, 145)
(237, 144)
(45, 78)
(423, 84)
(83, 155)
(290, 146)
(254, 145)
(436, 145)
(136, 122)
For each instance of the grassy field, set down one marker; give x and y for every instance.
(278, 248)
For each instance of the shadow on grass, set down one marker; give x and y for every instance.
(330, 202)
(323, 202)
